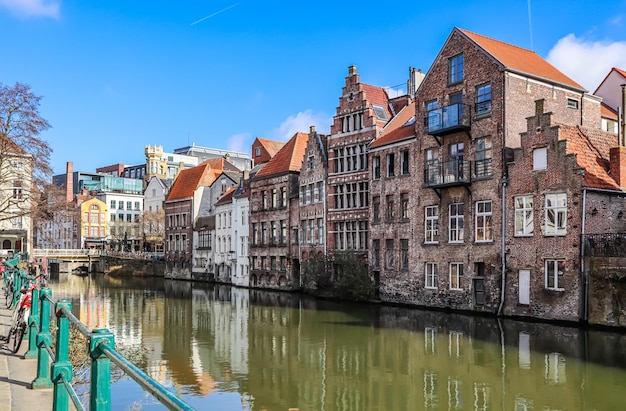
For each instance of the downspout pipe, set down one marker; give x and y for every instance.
(503, 245)
(583, 272)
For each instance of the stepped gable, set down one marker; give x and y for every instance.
(520, 60)
(401, 127)
(288, 159)
(592, 153)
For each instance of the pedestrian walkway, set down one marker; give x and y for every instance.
(17, 374)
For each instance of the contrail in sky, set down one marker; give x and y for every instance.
(214, 14)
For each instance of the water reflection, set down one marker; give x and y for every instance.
(236, 349)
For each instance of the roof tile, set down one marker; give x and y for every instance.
(289, 158)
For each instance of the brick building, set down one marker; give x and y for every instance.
(311, 219)
(362, 113)
(470, 111)
(272, 193)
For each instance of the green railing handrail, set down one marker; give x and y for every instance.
(54, 369)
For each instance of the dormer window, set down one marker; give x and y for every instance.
(380, 112)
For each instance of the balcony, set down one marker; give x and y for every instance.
(447, 174)
(604, 245)
(448, 120)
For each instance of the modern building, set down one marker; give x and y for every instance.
(613, 92)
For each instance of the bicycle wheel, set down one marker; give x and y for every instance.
(8, 295)
(18, 337)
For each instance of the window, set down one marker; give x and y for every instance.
(404, 206)
(121, 206)
(376, 210)
(390, 209)
(455, 69)
(456, 274)
(390, 165)
(540, 158)
(283, 197)
(483, 224)
(129, 217)
(113, 217)
(320, 231)
(380, 112)
(273, 233)
(113, 204)
(303, 194)
(404, 162)
(376, 165)
(456, 223)
(311, 193)
(483, 100)
(432, 278)
(555, 270)
(303, 239)
(311, 162)
(272, 263)
(432, 170)
(320, 191)
(263, 233)
(389, 259)
(136, 205)
(524, 215)
(572, 103)
(129, 205)
(404, 254)
(431, 226)
(482, 165)
(274, 197)
(433, 116)
(556, 214)
(376, 253)
(263, 200)
(257, 151)
(283, 232)
(17, 190)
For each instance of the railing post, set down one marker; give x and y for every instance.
(33, 322)
(62, 367)
(100, 399)
(44, 338)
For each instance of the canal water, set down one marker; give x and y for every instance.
(225, 348)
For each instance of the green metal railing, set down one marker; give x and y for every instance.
(54, 368)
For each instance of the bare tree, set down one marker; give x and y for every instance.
(24, 157)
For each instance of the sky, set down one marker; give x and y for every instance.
(118, 75)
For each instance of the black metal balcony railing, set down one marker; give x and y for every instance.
(448, 119)
(604, 245)
(448, 173)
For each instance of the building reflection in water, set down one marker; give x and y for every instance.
(276, 351)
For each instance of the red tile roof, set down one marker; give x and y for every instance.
(227, 197)
(608, 112)
(9, 146)
(399, 128)
(519, 59)
(377, 95)
(592, 152)
(188, 180)
(289, 158)
(272, 147)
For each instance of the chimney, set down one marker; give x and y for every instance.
(312, 130)
(352, 70)
(415, 79)
(69, 181)
(617, 166)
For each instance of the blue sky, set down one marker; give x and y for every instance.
(117, 75)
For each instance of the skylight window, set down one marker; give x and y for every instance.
(381, 114)
(410, 122)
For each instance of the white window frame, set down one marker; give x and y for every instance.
(484, 221)
(540, 158)
(554, 270)
(456, 272)
(431, 225)
(456, 223)
(555, 204)
(524, 215)
(431, 274)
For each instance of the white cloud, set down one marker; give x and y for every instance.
(33, 8)
(239, 143)
(587, 62)
(302, 122)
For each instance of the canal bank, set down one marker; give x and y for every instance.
(17, 374)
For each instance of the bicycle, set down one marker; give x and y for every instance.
(19, 323)
(8, 288)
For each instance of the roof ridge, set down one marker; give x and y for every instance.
(499, 41)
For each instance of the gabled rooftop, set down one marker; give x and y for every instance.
(401, 127)
(288, 159)
(592, 149)
(204, 174)
(520, 60)
(272, 147)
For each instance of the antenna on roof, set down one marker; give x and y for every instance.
(530, 26)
